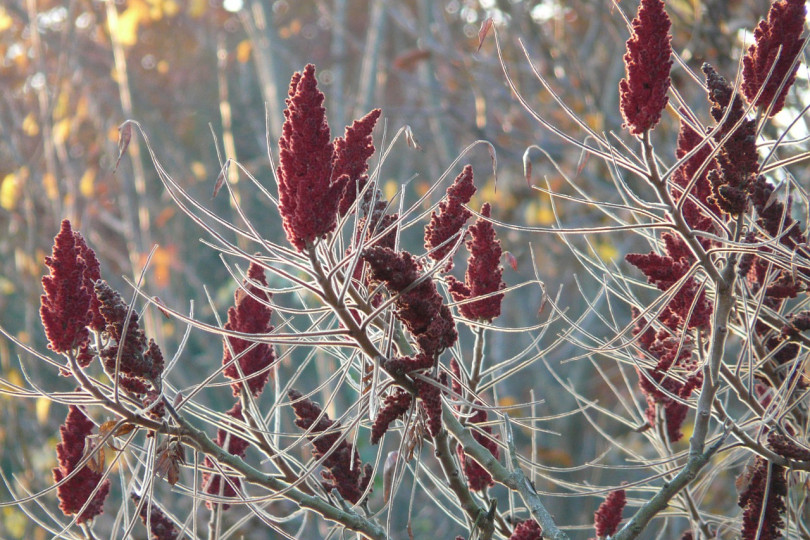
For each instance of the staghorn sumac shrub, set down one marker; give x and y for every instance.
(700, 336)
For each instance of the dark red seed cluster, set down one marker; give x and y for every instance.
(643, 93)
(670, 351)
(763, 500)
(419, 305)
(75, 492)
(484, 272)
(737, 158)
(317, 177)
(140, 362)
(212, 483)
(160, 526)
(250, 314)
(665, 271)
(69, 304)
(345, 471)
(395, 405)
(450, 217)
(527, 530)
(783, 28)
(607, 518)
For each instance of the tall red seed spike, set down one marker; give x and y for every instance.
(478, 479)
(66, 305)
(75, 492)
(344, 468)
(737, 160)
(160, 526)
(394, 406)
(643, 93)
(783, 28)
(695, 215)
(421, 308)
(250, 314)
(527, 530)
(450, 217)
(308, 195)
(762, 515)
(212, 482)
(484, 272)
(609, 514)
(352, 152)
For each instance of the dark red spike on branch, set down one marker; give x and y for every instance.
(763, 500)
(643, 93)
(352, 152)
(609, 514)
(450, 217)
(308, 195)
(527, 530)
(394, 406)
(783, 28)
(74, 493)
(484, 272)
(344, 468)
(250, 314)
(66, 305)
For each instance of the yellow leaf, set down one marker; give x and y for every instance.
(10, 191)
(30, 126)
(125, 26)
(61, 130)
(162, 262)
(62, 108)
(15, 378)
(198, 169)
(87, 182)
(6, 286)
(607, 251)
(163, 67)
(51, 186)
(243, 51)
(14, 522)
(595, 121)
(539, 213)
(5, 20)
(390, 189)
(163, 8)
(43, 405)
(197, 8)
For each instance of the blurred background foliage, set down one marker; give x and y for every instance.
(72, 71)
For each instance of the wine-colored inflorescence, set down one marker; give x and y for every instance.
(527, 530)
(607, 518)
(484, 272)
(139, 362)
(395, 405)
(779, 35)
(345, 472)
(69, 305)
(213, 483)
(74, 492)
(762, 501)
(250, 314)
(737, 159)
(352, 152)
(419, 305)
(643, 93)
(448, 220)
(317, 178)
(160, 526)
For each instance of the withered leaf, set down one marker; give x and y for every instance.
(483, 31)
(124, 137)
